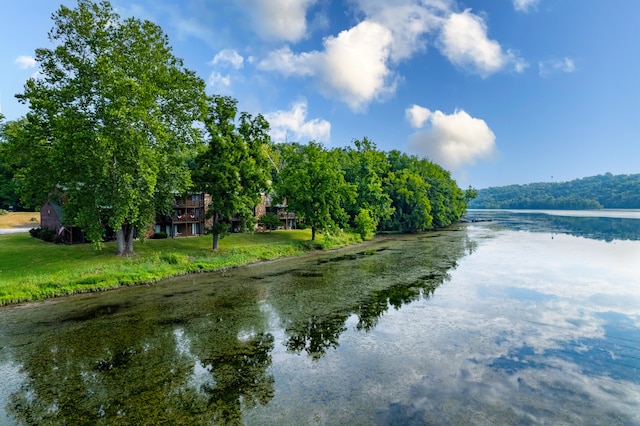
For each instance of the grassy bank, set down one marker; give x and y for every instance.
(31, 269)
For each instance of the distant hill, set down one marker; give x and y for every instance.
(595, 192)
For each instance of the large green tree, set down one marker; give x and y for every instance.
(110, 117)
(8, 195)
(313, 184)
(364, 167)
(233, 168)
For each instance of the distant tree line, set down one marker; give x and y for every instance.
(595, 192)
(117, 127)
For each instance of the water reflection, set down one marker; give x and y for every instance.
(608, 228)
(525, 330)
(201, 348)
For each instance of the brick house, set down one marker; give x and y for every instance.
(187, 218)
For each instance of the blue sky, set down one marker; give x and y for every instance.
(497, 91)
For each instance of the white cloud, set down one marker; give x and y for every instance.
(556, 65)
(352, 67)
(357, 66)
(228, 56)
(25, 62)
(451, 140)
(288, 63)
(221, 84)
(293, 125)
(524, 5)
(417, 115)
(280, 20)
(464, 41)
(408, 20)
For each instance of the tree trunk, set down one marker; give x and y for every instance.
(124, 238)
(216, 236)
(313, 233)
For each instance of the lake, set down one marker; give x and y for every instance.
(512, 318)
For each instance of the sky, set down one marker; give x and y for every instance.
(498, 92)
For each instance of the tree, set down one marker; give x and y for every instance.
(364, 168)
(8, 196)
(233, 168)
(313, 184)
(412, 206)
(111, 117)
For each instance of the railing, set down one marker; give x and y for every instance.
(187, 218)
(188, 203)
(286, 215)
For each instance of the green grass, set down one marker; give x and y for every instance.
(31, 269)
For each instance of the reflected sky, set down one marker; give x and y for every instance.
(481, 324)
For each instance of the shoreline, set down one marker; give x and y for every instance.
(188, 269)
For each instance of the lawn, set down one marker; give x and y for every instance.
(32, 269)
(20, 219)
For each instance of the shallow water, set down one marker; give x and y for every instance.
(521, 320)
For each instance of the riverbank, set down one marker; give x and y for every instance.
(32, 270)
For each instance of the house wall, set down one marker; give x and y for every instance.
(49, 217)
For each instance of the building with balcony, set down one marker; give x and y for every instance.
(187, 217)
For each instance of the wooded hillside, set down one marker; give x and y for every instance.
(595, 192)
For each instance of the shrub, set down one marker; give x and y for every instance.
(174, 258)
(159, 235)
(47, 235)
(269, 221)
(2, 211)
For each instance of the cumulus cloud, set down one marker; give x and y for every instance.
(524, 5)
(280, 20)
(228, 57)
(353, 66)
(464, 41)
(556, 65)
(25, 62)
(417, 115)
(450, 140)
(293, 125)
(408, 20)
(357, 66)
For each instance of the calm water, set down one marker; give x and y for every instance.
(529, 318)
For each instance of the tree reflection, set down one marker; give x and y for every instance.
(596, 228)
(317, 304)
(144, 366)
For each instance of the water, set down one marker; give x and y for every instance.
(529, 318)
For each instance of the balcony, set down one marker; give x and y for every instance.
(188, 204)
(187, 218)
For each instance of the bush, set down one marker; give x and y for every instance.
(2, 211)
(47, 235)
(269, 221)
(159, 235)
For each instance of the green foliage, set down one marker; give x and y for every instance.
(364, 168)
(409, 193)
(314, 187)
(3, 212)
(110, 121)
(365, 224)
(436, 202)
(10, 159)
(233, 168)
(269, 221)
(602, 191)
(159, 235)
